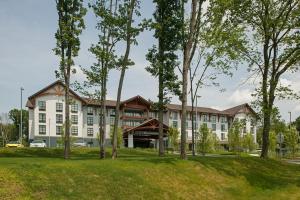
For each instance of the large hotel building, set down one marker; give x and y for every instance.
(138, 121)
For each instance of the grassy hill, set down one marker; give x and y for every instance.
(140, 174)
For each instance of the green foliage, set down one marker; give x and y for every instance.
(173, 134)
(272, 142)
(292, 140)
(119, 136)
(248, 142)
(297, 124)
(15, 117)
(234, 136)
(205, 142)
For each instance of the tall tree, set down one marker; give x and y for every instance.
(15, 117)
(271, 47)
(129, 33)
(162, 57)
(190, 33)
(70, 26)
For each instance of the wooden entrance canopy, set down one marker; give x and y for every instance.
(149, 128)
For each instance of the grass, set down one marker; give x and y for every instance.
(140, 174)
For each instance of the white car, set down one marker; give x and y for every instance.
(80, 143)
(38, 143)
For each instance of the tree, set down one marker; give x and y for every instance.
(120, 136)
(205, 139)
(173, 134)
(70, 26)
(15, 117)
(163, 59)
(273, 141)
(190, 34)
(271, 48)
(109, 35)
(129, 34)
(248, 142)
(234, 136)
(292, 140)
(297, 124)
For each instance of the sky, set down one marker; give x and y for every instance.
(27, 60)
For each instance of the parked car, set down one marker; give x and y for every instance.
(14, 144)
(37, 143)
(80, 143)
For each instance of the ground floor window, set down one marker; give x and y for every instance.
(90, 131)
(74, 130)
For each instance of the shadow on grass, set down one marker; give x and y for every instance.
(264, 174)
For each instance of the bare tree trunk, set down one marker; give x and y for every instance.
(124, 66)
(160, 117)
(67, 118)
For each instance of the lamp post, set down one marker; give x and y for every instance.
(195, 144)
(21, 123)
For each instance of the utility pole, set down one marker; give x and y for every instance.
(21, 123)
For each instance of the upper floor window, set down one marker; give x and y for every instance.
(42, 105)
(213, 118)
(112, 120)
(175, 124)
(59, 107)
(205, 118)
(222, 136)
(59, 118)
(213, 127)
(74, 119)
(113, 112)
(59, 130)
(223, 127)
(42, 129)
(74, 108)
(173, 115)
(90, 111)
(223, 119)
(74, 130)
(42, 117)
(90, 121)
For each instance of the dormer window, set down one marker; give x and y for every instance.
(90, 111)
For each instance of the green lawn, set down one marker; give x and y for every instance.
(140, 174)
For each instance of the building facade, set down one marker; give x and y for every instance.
(138, 120)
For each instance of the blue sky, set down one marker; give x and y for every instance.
(27, 60)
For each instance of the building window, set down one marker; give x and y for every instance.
(90, 121)
(59, 107)
(174, 115)
(59, 118)
(113, 112)
(175, 124)
(90, 111)
(223, 127)
(205, 118)
(74, 130)
(42, 117)
(42, 129)
(223, 119)
(213, 127)
(74, 119)
(213, 118)
(74, 108)
(58, 130)
(90, 131)
(42, 105)
(222, 136)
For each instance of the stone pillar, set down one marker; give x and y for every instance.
(130, 140)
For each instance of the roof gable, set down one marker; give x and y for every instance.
(136, 100)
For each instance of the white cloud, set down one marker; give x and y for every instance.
(240, 96)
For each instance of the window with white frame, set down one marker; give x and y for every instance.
(222, 136)
(42, 117)
(90, 111)
(74, 130)
(213, 127)
(42, 129)
(74, 108)
(59, 118)
(90, 131)
(42, 105)
(223, 127)
(59, 130)
(205, 118)
(175, 124)
(59, 107)
(74, 119)
(90, 121)
(223, 119)
(213, 118)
